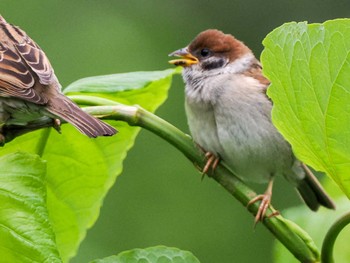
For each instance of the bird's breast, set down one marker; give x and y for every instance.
(201, 122)
(231, 118)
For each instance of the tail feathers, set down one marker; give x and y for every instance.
(67, 110)
(312, 192)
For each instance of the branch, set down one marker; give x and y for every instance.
(290, 235)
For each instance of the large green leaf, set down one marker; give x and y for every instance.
(159, 254)
(81, 170)
(309, 67)
(26, 234)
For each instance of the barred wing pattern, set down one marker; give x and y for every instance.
(26, 74)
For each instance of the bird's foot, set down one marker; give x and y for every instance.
(57, 125)
(265, 200)
(212, 162)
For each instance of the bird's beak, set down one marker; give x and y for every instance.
(186, 58)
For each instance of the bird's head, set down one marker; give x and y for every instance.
(211, 49)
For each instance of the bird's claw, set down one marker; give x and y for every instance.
(212, 162)
(57, 125)
(265, 202)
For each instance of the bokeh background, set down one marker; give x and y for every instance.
(159, 198)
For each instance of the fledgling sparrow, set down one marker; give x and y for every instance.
(29, 89)
(229, 116)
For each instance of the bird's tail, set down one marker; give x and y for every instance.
(67, 110)
(312, 192)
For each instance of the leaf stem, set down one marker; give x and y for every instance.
(331, 236)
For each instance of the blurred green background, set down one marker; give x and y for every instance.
(159, 198)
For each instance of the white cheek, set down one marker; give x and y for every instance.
(194, 74)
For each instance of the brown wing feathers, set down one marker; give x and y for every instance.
(26, 73)
(15, 78)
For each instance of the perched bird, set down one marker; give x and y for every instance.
(29, 89)
(229, 116)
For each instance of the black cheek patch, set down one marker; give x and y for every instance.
(213, 64)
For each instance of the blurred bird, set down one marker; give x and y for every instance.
(229, 115)
(29, 89)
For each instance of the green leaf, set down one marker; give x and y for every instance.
(309, 68)
(25, 231)
(80, 170)
(159, 254)
(127, 88)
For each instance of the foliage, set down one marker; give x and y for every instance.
(26, 233)
(80, 171)
(309, 66)
(159, 254)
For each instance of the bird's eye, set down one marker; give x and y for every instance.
(205, 52)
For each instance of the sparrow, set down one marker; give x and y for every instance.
(229, 116)
(30, 90)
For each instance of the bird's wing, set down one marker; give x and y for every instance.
(22, 64)
(255, 71)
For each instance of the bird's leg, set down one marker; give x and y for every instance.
(265, 202)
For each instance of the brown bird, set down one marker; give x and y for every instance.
(229, 115)
(29, 89)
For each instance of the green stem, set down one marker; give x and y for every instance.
(92, 100)
(331, 236)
